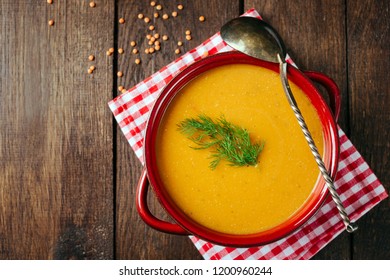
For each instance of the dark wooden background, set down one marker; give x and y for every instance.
(67, 174)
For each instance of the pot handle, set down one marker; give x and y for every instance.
(332, 89)
(146, 215)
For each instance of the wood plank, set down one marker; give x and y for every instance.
(135, 240)
(56, 147)
(314, 34)
(368, 71)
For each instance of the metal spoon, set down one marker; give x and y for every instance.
(256, 38)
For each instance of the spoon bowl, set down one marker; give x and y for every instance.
(254, 37)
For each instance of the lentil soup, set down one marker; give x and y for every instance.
(249, 199)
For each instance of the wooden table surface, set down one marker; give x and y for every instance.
(67, 173)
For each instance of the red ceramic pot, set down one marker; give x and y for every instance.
(183, 224)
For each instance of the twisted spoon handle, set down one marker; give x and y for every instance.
(329, 182)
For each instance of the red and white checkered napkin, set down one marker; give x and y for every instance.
(359, 188)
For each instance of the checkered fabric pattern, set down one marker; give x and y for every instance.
(359, 188)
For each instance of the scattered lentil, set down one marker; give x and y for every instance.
(188, 37)
(157, 43)
(156, 15)
(111, 50)
(133, 43)
(188, 32)
(49, 1)
(90, 71)
(135, 51)
(180, 7)
(177, 51)
(146, 51)
(120, 88)
(174, 14)
(151, 50)
(119, 74)
(51, 22)
(157, 47)
(165, 37)
(148, 36)
(159, 7)
(92, 68)
(121, 20)
(147, 20)
(152, 3)
(156, 35)
(202, 18)
(165, 16)
(137, 61)
(123, 90)
(180, 43)
(153, 39)
(91, 57)
(120, 50)
(151, 27)
(92, 4)
(140, 16)
(108, 53)
(150, 43)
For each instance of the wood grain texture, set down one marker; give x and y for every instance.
(135, 240)
(67, 174)
(56, 193)
(368, 71)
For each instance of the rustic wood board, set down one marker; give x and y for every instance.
(67, 174)
(56, 143)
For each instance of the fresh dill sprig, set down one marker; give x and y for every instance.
(227, 141)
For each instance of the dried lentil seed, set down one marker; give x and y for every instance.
(156, 35)
(156, 15)
(177, 51)
(188, 37)
(157, 47)
(120, 50)
(90, 71)
(174, 14)
(135, 51)
(51, 22)
(147, 20)
(157, 43)
(137, 61)
(119, 74)
(165, 37)
(201, 18)
(111, 50)
(49, 1)
(151, 50)
(159, 7)
(188, 32)
(92, 4)
(121, 20)
(180, 43)
(148, 36)
(92, 68)
(151, 28)
(180, 7)
(123, 90)
(133, 43)
(153, 39)
(91, 57)
(140, 16)
(165, 16)
(108, 53)
(120, 88)
(152, 3)
(146, 51)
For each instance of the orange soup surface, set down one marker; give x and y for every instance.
(249, 199)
